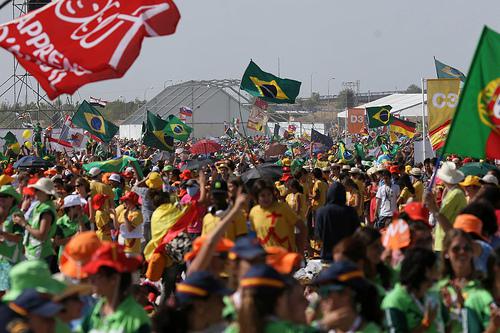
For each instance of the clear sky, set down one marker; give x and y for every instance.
(386, 44)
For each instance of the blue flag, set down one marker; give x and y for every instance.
(444, 71)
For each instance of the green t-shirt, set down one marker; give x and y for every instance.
(118, 192)
(279, 326)
(10, 251)
(65, 228)
(475, 315)
(404, 313)
(453, 202)
(129, 317)
(36, 249)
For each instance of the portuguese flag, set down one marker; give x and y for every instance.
(268, 87)
(475, 129)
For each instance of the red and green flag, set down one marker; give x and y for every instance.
(475, 129)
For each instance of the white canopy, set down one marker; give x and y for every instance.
(403, 105)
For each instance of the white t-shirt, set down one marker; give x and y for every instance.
(388, 197)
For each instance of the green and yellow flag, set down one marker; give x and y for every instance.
(115, 165)
(475, 129)
(11, 143)
(88, 118)
(379, 116)
(155, 134)
(177, 128)
(268, 87)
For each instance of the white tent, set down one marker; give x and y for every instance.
(403, 105)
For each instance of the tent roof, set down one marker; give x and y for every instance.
(403, 105)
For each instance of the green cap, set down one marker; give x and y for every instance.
(11, 192)
(32, 274)
(168, 168)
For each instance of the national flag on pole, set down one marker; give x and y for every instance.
(11, 143)
(407, 128)
(475, 128)
(70, 137)
(268, 87)
(321, 138)
(67, 44)
(177, 129)
(97, 102)
(88, 118)
(343, 154)
(444, 71)
(438, 135)
(186, 111)
(379, 116)
(155, 134)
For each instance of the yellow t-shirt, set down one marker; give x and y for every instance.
(297, 201)
(132, 245)
(419, 190)
(281, 232)
(405, 195)
(236, 228)
(102, 222)
(361, 188)
(319, 187)
(351, 202)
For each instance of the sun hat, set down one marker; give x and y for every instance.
(32, 274)
(115, 177)
(10, 191)
(416, 172)
(394, 169)
(263, 276)
(130, 197)
(247, 248)
(286, 162)
(489, 179)
(346, 167)
(408, 168)
(98, 200)
(168, 168)
(219, 187)
(72, 200)
(154, 181)
(470, 224)
(6, 179)
(77, 253)
(224, 245)
(448, 173)
(32, 302)
(471, 181)
(416, 211)
(185, 175)
(282, 260)
(50, 172)
(199, 285)
(95, 171)
(381, 168)
(339, 275)
(155, 169)
(45, 185)
(30, 191)
(325, 169)
(112, 255)
(286, 177)
(355, 170)
(371, 171)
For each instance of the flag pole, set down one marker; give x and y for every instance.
(345, 125)
(423, 119)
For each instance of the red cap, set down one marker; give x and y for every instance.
(98, 200)
(417, 212)
(131, 197)
(112, 255)
(393, 169)
(224, 245)
(30, 190)
(185, 175)
(286, 177)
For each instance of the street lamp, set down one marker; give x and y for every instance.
(329, 88)
(146, 91)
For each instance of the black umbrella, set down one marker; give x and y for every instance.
(32, 162)
(267, 170)
(196, 164)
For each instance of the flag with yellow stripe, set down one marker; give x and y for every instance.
(88, 118)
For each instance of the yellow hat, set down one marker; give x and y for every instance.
(407, 168)
(5, 180)
(471, 181)
(154, 181)
(286, 161)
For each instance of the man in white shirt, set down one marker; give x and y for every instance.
(386, 196)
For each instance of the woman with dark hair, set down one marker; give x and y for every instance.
(274, 222)
(407, 190)
(296, 198)
(349, 302)
(410, 306)
(467, 301)
(110, 273)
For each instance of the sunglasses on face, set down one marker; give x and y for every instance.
(458, 248)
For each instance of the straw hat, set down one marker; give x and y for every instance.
(416, 172)
(45, 185)
(449, 173)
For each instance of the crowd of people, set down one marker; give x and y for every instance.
(188, 243)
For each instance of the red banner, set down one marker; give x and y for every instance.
(355, 120)
(69, 43)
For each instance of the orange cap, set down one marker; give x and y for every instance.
(470, 224)
(112, 255)
(77, 253)
(281, 260)
(224, 245)
(417, 212)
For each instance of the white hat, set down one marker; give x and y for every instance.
(490, 179)
(129, 170)
(73, 200)
(371, 171)
(346, 167)
(380, 167)
(45, 185)
(448, 173)
(417, 172)
(325, 169)
(94, 171)
(355, 170)
(179, 150)
(156, 169)
(115, 177)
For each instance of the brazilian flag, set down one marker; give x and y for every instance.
(11, 144)
(88, 118)
(379, 116)
(268, 87)
(154, 133)
(177, 128)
